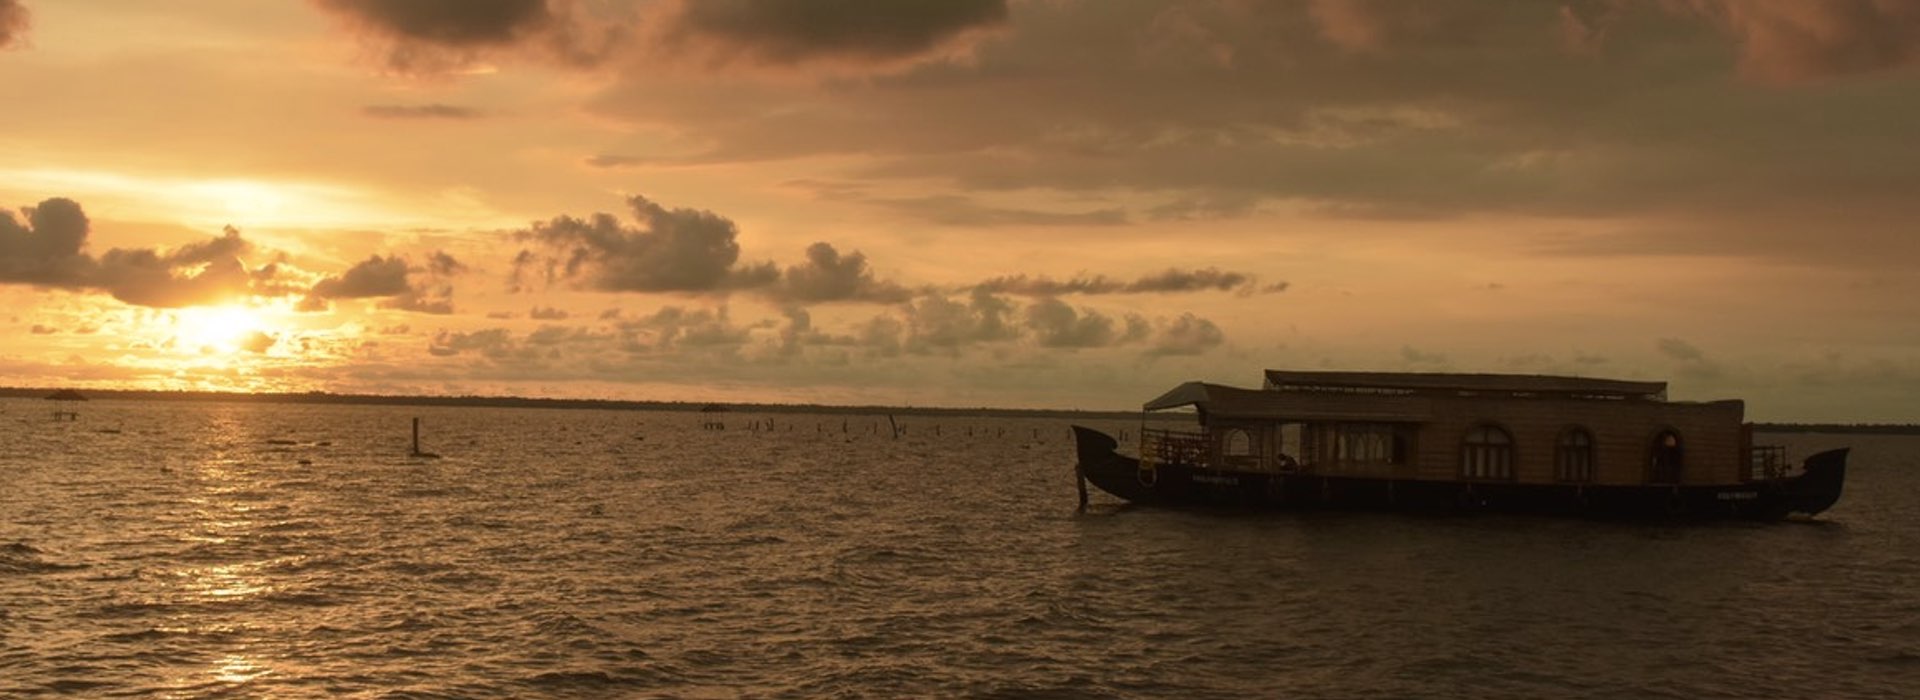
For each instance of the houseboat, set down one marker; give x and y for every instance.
(1468, 442)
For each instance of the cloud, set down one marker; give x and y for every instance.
(1802, 40)
(608, 160)
(39, 329)
(548, 313)
(1172, 280)
(673, 327)
(673, 250)
(1057, 325)
(1187, 335)
(937, 324)
(442, 36)
(393, 279)
(829, 276)
(203, 273)
(956, 210)
(14, 21)
(258, 342)
(374, 277)
(493, 342)
(1692, 362)
(1683, 351)
(787, 32)
(449, 22)
(426, 111)
(46, 250)
(1427, 111)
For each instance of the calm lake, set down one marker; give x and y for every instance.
(251, 550)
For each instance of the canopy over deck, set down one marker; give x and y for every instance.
(1425, 383)
(1220, 401)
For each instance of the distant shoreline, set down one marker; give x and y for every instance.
(320, 397)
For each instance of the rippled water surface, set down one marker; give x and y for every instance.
(233, 550)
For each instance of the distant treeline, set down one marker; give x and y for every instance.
(321, 397)
(1847, 428)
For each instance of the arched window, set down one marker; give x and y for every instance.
(1487, 453)
(1237, 444)
(1573, 455)
(1667, 458)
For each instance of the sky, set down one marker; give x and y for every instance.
(1009, 203)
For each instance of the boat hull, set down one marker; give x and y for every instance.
(1179, 485)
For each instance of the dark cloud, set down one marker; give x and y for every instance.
(46, 250)
(673, 327)
(798, 31)
(203, 273)
(14, 21)
(393, 279)
(493, 342)
(427, 111)
(956, 210)
(457, 23)
(1170, 281)
(1582, 109)
(376, 276)
(555, 334)
(437, 36)
(1056, 325)
(937, 324)
(1187, 335)
(49, 251)
(829, 276)
(548, 313)
(1803, 40)
(443, 264)
(672, 250)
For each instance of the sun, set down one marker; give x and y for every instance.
(217, 330)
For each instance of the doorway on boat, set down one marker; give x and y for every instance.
(1667, 459)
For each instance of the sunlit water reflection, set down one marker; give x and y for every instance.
(231, 550)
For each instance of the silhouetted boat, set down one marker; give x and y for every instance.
(1467, 442)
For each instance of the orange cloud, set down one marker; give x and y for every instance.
(14, 21)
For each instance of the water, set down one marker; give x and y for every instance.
(184, 550)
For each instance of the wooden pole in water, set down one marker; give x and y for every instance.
(416, 435)
(1080, 476)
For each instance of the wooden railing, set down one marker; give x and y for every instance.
(1767, 462)
(1173, 447)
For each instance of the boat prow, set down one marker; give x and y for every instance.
(1819, 488)
(1101, 464)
